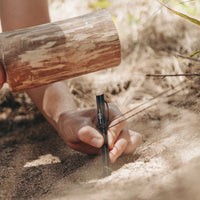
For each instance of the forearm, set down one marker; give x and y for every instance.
(16, 14)
(51, 99)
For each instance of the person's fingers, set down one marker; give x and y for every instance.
(116, 125)
(2, 77)
(134, 141)
(69, 125)
(79, 132)
(120, 145)
(91, 136)
(115, 130)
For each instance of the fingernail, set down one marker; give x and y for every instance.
(110, 139)
(114, 154)
(97, 142)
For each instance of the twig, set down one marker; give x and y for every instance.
(189, 58)
(132, 115)
(168, 75)
(146, 102)
(150, 100)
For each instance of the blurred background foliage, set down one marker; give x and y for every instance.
(131, 20)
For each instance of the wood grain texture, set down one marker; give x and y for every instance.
(56, 51)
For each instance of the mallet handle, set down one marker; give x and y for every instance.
(51, 52)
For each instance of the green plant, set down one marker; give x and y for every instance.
(100, 4)
(191, 19)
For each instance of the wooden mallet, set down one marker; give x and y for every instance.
(51, 52)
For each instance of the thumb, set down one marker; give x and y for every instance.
(91, 136)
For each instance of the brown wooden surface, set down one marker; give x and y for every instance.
(55, 51)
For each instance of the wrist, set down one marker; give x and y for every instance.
(52, 100)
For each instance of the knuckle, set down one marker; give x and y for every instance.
(112, 106)
(113, 109)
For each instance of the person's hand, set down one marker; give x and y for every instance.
(79, 130)
(2, 77)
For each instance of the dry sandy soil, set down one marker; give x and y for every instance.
(36, 164)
